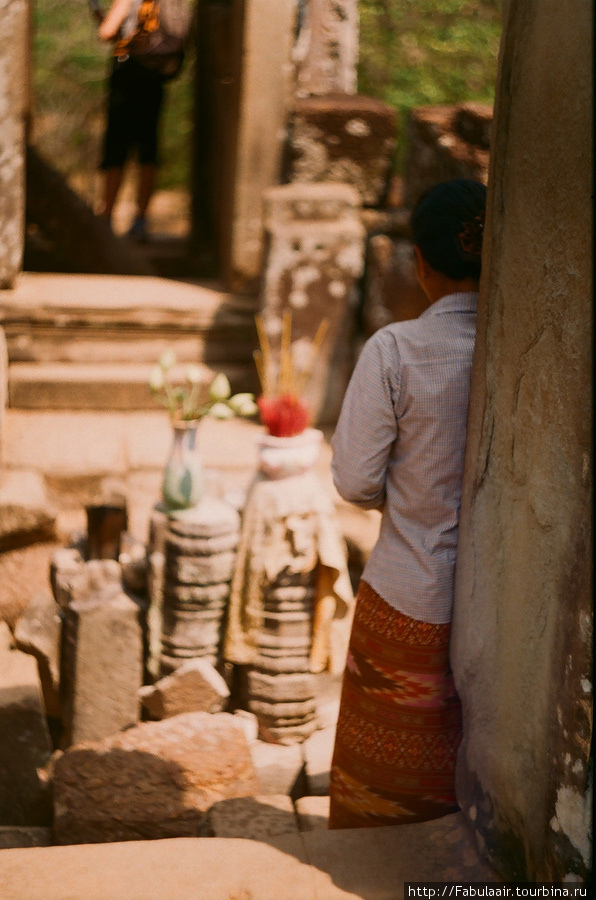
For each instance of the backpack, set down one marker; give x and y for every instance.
(158, 38)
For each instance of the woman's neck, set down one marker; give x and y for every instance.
(436, 285)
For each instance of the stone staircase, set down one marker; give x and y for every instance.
(89, 341)
(81, 347)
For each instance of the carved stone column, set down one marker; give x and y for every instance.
(326, 52)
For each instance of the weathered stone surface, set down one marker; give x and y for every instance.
(446, 142)
(248, 722)
(522, 635)
(3, 393)
(6, 639)
(25, 513)
(101, 665)
(153, 781)
(291, 712)
(191, 596)
(211, 518)
(39, 632)
(295, 686)
(279, 769)
(66, 563)
(14, 44)
(200, 570)
(22, 836)
(195, 687)
(348, 139)
(313, 813)
(318, 752)
(326, 51)
(391, 292)
(25, 745)
(312, 267)
(255, 818)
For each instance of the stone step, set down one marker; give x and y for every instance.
(101, 386)
(110, 318)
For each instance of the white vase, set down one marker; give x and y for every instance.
(281, 457)
(182, 485)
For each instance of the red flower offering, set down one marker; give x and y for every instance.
(284, 416)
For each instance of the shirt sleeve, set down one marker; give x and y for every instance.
(367, 425)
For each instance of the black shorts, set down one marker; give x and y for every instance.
(135, 97)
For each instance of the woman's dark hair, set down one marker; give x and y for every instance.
(447, 226)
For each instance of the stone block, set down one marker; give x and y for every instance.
(343, 138)
(312, 267)
(318, 753)
(26, 515)
(155, 780)
(279, 769)
(25, 746)
(195, 687)
(446, 142)
(101, 666)
(66, 563)
(291, 712)
(313, 813)
(211, 518)
(256, 818)
(23, 836)
(200, 570)
(248, 722)
(294, 686)
(288, 732)
(39, 632)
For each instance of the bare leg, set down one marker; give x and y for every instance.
(147, 176)
(112, 182)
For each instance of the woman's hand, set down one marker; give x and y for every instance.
(113, 19)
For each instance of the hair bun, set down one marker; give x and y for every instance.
(470, 239)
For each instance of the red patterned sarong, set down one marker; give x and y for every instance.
(399, 723)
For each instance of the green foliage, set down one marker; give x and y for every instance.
(427, 52)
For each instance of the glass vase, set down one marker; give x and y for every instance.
(182, 485)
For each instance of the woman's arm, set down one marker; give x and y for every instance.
(367, 427)
(113, 19)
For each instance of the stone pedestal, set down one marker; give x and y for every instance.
(200, 552)
(343, 138)
(101, 667)
(315, 255)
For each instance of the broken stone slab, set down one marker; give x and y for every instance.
(256, 818)
(25, 745)
(348, 139)
(26, 516)
(195, 687)
(101, 664)
(318, 753)
(155, 780)
(313, 813)
(23, 836)
(39, 632)
(279, 769)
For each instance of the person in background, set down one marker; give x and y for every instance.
(134, 105)
(399, 447)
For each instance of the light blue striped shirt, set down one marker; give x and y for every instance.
(399, 447)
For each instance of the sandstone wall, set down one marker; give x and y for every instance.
(13, 105)
(522, 625)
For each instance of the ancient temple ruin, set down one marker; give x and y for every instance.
(288, 154)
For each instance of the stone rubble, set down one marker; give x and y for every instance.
(195, 687)
(155, 780)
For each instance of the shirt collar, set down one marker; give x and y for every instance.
(460, 302)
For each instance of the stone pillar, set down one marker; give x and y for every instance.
(522, 627)
(326, 52)
(264, 100)
(200, 553)
(14, 56)
(102, 655)
(314, 258)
